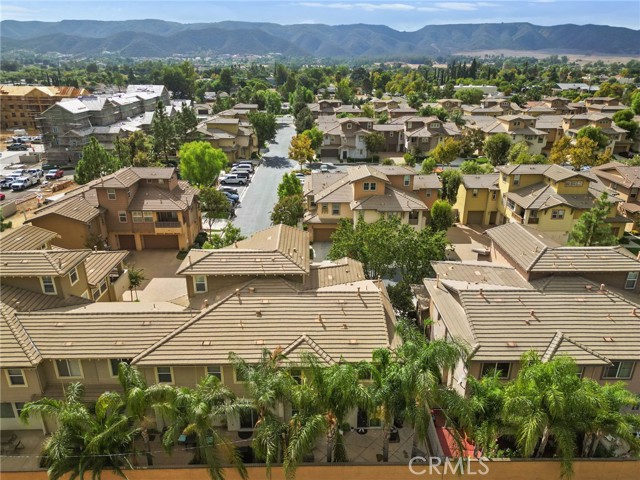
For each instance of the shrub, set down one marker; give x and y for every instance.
(387, 161)
(375, 158)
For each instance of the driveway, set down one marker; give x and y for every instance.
(258, 199)
(161, 283)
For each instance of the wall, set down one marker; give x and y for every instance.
(359, 191)
(73, 234)
(512, 469)
(31, 283)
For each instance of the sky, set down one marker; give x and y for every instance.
(406, 15)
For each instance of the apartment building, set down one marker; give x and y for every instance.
(368, 193)
(131, 209)
(22, 105)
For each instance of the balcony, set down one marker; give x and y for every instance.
(516, 217)
(165, 227)
(167, 224)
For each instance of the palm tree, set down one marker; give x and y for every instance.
(268, 385)
(386, 393)
(423, 363)
(140, 399)
(85, 440)
(193, 412)
(136, 277)
(338, 390)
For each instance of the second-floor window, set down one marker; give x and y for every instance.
(200, 283)
(573, 183)
(557, 214)
(16, 377)
(335, 209)
(122, 217)
(325, 208)
(369, 186)
(114, 365)
(69, 368)
(407, 180)
(494, 195)
(136, 217)
(516, 179)
(632, 280)
(148, 217)
(501, 368)
(48, 285)
(619, 370)
(474, 192)
(111, 193)
(164, 375)
(73, 275)
(633, 193)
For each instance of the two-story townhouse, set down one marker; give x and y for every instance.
(477, 200)
(521, 128)
(552, 126)
(500, 316)
(131, 209)
(22, 105)
(536, 255)
(449, 104)
(625, 181)
(26, 237)
(551, 198)
(393, 136)
(234, 136)
(368, 193)
(493, 107)
(618, 137)
(344, 138)
(549, 106)
(425, 133)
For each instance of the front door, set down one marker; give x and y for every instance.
(344, 154)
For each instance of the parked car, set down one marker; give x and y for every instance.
(233, 179)
(324, 168)
(17, 147)
(242, 168)
(228, 189)
(54, 173)
(244, 175)
(300, 176)
(22, 183)
(2, 196)
(36, 139)
(233, 197)
(245, 164)
(35, 172)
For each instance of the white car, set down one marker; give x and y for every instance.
(324, 168)
(232, 179)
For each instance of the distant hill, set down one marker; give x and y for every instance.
(157, 38)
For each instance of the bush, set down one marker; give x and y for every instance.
(201, 238)
(375, 158)
(409, 159)
(387, 161)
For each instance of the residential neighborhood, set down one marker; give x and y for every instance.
(279, 265)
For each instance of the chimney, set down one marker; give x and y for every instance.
(602, 287)
(205, 304)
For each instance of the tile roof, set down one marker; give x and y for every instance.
(157, 199)
(36, 263)
(619, 173)
(91, 335)
(586, 259)
(393, 200)
(16, 348)
(99, 264)
(541, 196)
(421, 182)
(364, 171)
(80, 205)
(278, 250)
(26, 237)
(488, 180)
(338, 272)
(521, 243)
(479, 274)
(340, 324)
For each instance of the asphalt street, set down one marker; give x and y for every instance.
(257, 200)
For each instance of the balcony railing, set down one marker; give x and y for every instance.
(516, 217)
(533, 221)
(167, 224)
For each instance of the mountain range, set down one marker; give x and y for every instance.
(158, 38)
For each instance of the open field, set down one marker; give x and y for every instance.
(540, 54)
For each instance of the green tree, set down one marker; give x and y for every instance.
(474, 167)
(428, 166)
(624, 119)
(300, 150)
(4, 225)
(96, 161)
(344, 91)
(185, 124)
(496, 148)
(584, 153)
(447, 151)
(484, 409)
(591, 229)
(560, 150)
(288, 211)
(214, 204)
(163, 132)
(441, 215)
(519, 153)
(193, 412)
(374, 142)
(316, 136)
(136, 150)
(264, 125)
(229, 235)
(451, 180)
(85, 440)
(471, 142)
(595, 134)
(200, 163)
(273, 102)
(469, 96)
(304, 120)
(401, 298)
(136, 277)
(290, 185)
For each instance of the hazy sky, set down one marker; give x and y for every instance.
(398, 14)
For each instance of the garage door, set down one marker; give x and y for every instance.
(330, 152)
(322, 234)
(161, 241)
(127, 242)
(475, 218)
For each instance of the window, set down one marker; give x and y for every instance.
(122, 216)
(425, 139)
(15, 376)
(296, 374)
(6, 410)
(349, 125)
(504, 177)
(114, 365)
(48, 285)
(494, 195)
(73, 276)
(391, 134)
(428, 193)
(69, 368)
(474, 192)
(435, 125)
(325, 208)
(136, 217)
(248, 418)
(620, 370)
(573, 183)
(511, 205)
(409, 125)
(632, 280)
(335, 209)
(633, 193)
(148, 217)
(407, 180)
(557, 214)
(370, 186)
(19, 407)
(363, 421)
(200, 283)
(111, 193)
(215, 371)
(516, 179)
(502, 369)
(164, 375)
